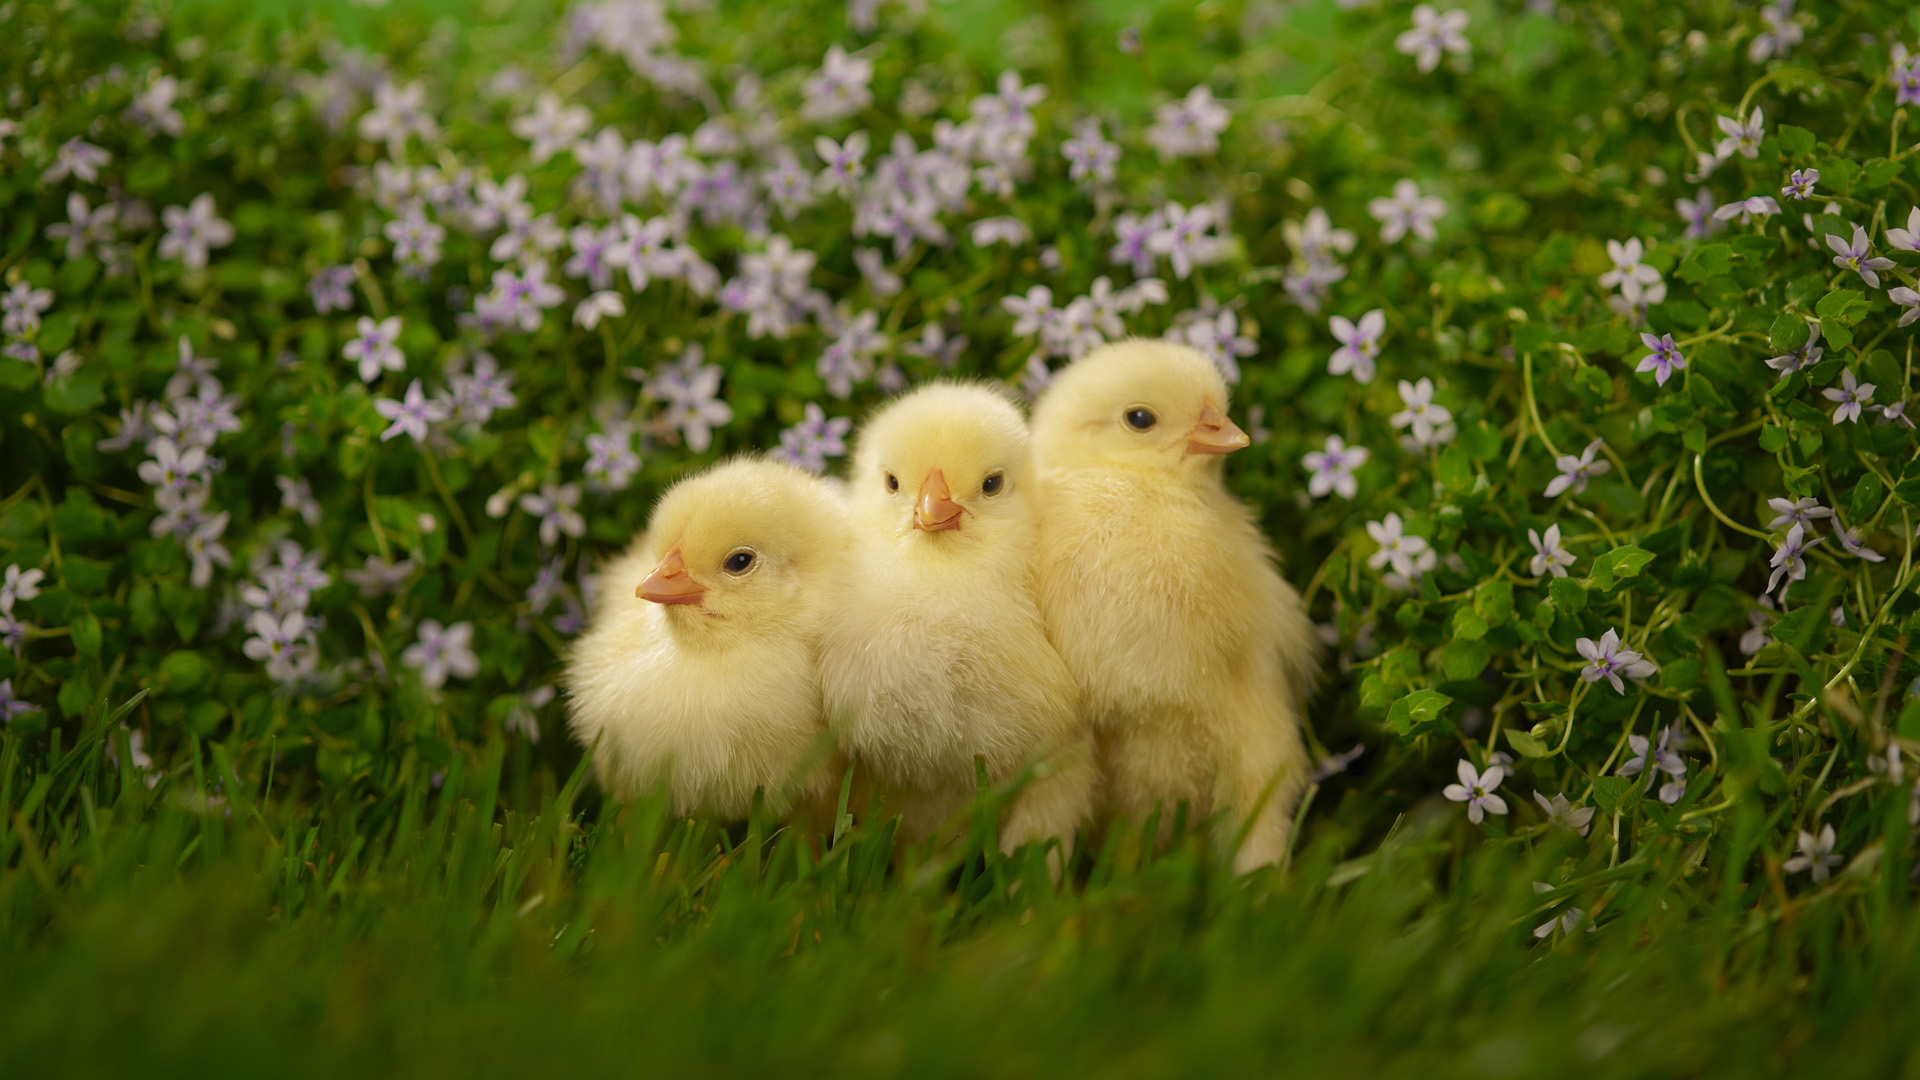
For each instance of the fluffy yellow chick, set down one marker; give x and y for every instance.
(937, 652)
(1191, 654)
(699, 671)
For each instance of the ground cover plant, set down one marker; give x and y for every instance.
(1575, 341)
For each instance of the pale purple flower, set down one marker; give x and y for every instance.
(1852, 396)
(1800, 184)
(442, 651)
(611, 461)
(522, 717)
(1220, 338)
(1132, 235)
(844, 161)
(331, 289)
(477, 394)
(1908, 299)
(1033, 313)
(1433, 33)
(84, 226)
(1742, 136)
(20, 308)
(1699, 214)
(19, 585)
(11, 706)
(1802, 511)
(1561, 813)
(1854, 541)
(1333, 765)
(1182, 237)
(588, 313)
(1762, 206)
(1632, 276)
(1815, 854)
(1359, 344)
(296, 494)
(192, 231)
(814, 439)
(839, 89)
(1664, 360)
(376, 348)
(1906, 91)
(205, 550)
(1781, 34)
(1566, 922)
(1476, 790)
(1907, 239)
(1607, 660)
(873, 269)
(1756, 637)
(935, 345)
(1576, 471)
(277, 642)
(76, 158)
(416, 241)
(1397, 547)
(173, 470)
(1789, 559)
(411, 415)
(552, 126)
(1090, 157)
(1333, 467)
(1548, 556)
(398, 111)
(1803, 357)
(152, 109)
(554, 506)
(1858, 257)
(1422, 414)
(1407, 211)
(1190, 127)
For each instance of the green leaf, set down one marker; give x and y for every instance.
(86, 635)
(1417, 712)
(1867, 493)
(1568, 595)
(1480, 440)
(1707, 261)
(1843, 306)
(1681, 674)
(182, 672)
(1468, 625)
(1493, 601)
(1616, 566)
(1789, 332)
(1797, 141)
(1465, 659)
(1525, 744)
(1773, 438)
(1609, 790)
(1454, 469)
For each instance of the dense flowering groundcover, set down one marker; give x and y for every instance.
(1575, 342)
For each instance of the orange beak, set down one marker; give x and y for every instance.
(1215, 434)
(936, 510)
(670, 583)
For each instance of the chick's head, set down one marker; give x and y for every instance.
(1152, 406)
(736, 547)
(945, 466)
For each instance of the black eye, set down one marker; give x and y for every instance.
(992, 484)
(1141, 419)
(738, 562)
(893, 482)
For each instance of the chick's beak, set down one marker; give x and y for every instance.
(670, 583)
(1215, 434)
(936, 509)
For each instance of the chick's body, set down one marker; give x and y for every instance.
(700, 669)
(936, 651)
(1191, 653)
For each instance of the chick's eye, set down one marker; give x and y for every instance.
(993, 485)
(893, 482)
(738, 562)
(1140, 419)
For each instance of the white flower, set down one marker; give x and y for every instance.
(1576, 471)
(1333, 468)
(1560, 812)
(551, 127)
(1396, 546)
(1406, 211)
(442, 651)
(1607, 660)
(1816, 854)
(603, 304)
(1476, 790)
(1742, 137)
(1548, 556)
(1432, 34)
(1190, 127)
(1631, 275)
(192, 230)
(1425, 417)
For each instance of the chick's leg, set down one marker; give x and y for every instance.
(1263, 771)
(1054, 803)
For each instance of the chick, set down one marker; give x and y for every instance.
(1191, 654)
(937, 652)
(700, 669)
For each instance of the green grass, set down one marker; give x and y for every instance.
(464, 932)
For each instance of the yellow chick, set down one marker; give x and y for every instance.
(936, 652)
(1191, 654)
(699, 671)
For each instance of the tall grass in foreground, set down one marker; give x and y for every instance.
(452, 928)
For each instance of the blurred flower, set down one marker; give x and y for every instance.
(277, 642)
(1853, 540)
(1631, 275)
(1747, 209)
(1908, 299)
(1815, 854)
(1756, 637)
(1562, 814)
(331, 289)
(814, 439)
(1188, 128)
(1476, 790)
(20, 308)
(551, 127)
(1852, 396)
(85, 225)
(411, 414)
(1182, 237)
(1397, 547)
(1742, 136)
(1421, 413)
(588, 313)
(76, 158)
(380, 577)
(1433, 33)
(1789, 558)
(1781, 34)
(1333, 467)
(1576, 471)
(839, 89)
(1801, 358)
(1407, 211)
(442, 651)
(1548, 556)
(297, 495)
(376, 348)
(1607, 660)
(1333, 765)
(522, 717)
(843, 161)
(11, 706)
(1220, 338)
(554, 506)
(1091, 159)
(1359, 345)
(398, 112)
(152, 109)
(1010, 231)
(20, 585)
(1907, 239)
(192, 231)
(1699, 214)
(1664, 360)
